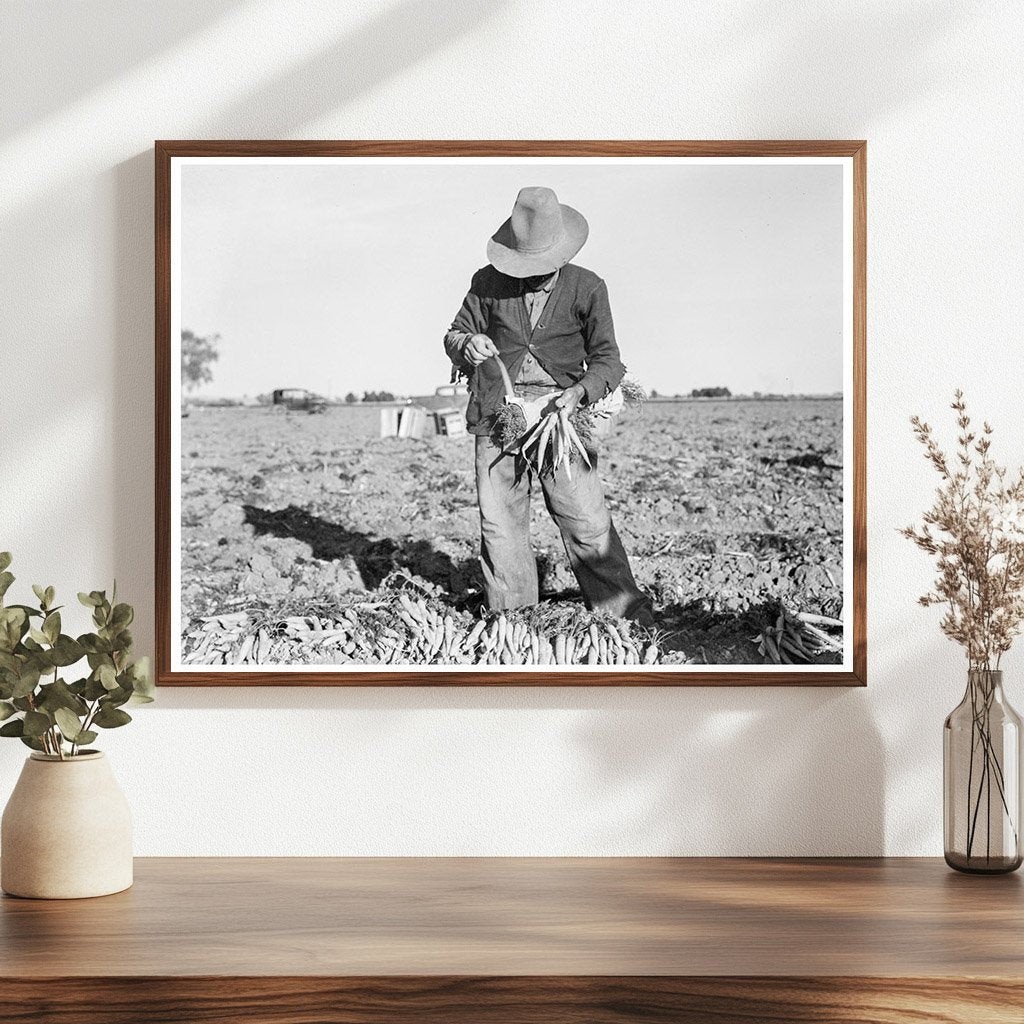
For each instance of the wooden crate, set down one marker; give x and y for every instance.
(450, 423)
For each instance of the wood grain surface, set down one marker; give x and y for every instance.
(530, 916)
(166, 150)
(511, 1000)
(568, 940)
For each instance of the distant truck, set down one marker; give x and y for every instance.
(297, 400)
(444, 398)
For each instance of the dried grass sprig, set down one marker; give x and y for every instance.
(975, 531)
(633, 392)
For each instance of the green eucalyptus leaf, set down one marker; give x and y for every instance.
(142, 676)
(66, 651)
(94, 689)
(89, 600)
(6, 579)
(31, 741)
(115, 698)
(124, 641)
(107, 676)
(86, 736)
(13, 624)
(29, 610)
(50, 594)
(59, 695)
(5, 559)
(51, 626)
(122, 615)
(16, 727)
(40, 593)
(94, 644)
(69, 723)
(38, 635)
(110, 717)
(22, 703)
(36, 723)
(6, 710)
(27, 681)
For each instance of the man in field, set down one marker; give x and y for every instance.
(550, 323)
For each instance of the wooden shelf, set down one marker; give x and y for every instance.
(506, 940)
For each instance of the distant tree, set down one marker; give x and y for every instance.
(196, 356)
(378, 396)
(265, 399)
(654, 394)
(351, 397)
(710, 393)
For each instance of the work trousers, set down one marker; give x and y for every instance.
(504, 485)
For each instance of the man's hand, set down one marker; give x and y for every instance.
(479, 348)
(570, 399)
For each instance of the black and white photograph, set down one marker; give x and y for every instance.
(491, 415)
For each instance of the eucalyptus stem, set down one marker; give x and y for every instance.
(57, 738)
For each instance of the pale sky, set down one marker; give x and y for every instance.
(344, 277)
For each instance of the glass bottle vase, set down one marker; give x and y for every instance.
(981, 774)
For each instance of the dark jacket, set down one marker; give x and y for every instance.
(574, 340)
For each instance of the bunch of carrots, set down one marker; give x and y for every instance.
(798, 637)
(549, 443)
(553, 430)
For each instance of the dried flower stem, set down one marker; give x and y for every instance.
(975, 531)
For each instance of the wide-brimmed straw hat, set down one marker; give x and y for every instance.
(541, 235)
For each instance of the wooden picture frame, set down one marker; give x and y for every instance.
(170, 156)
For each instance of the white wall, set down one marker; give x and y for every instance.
(936, 88)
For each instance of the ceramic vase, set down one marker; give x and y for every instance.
(66, 831)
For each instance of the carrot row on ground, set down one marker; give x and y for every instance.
(406, 629)
(410, 630)
(798, 637)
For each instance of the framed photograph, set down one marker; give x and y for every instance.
(493, 413)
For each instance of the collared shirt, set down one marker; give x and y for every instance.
(531, 372)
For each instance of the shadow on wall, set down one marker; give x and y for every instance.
(728, 771)
(343, 69)
(825, 65)
(694, 771)
(685, 771)
(87, 29)
(392, 40)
